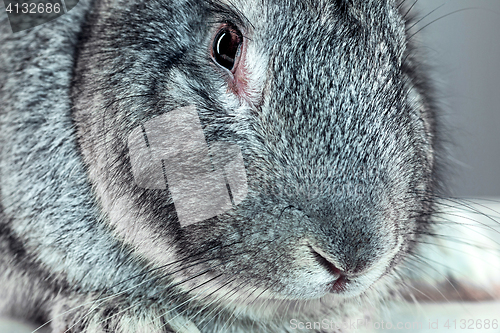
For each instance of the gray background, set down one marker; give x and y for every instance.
(464, 49)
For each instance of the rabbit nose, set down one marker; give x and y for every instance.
(338, 269)
(350, 247)
(347, 241)
(341, 278)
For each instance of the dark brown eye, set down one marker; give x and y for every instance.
(226, 46)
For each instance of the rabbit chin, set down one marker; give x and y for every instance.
(289, 290)
(303, 296)
(343, 287)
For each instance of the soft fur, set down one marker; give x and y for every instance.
(335, 124)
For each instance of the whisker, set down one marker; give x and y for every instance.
(419, 259)
(409, 9)
(424, 17)
(439, 18)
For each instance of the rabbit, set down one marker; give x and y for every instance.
(313, 121)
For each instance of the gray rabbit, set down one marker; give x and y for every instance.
(314, 122)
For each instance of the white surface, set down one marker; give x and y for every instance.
(434, 317)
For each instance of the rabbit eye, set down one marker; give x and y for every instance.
(226, 46)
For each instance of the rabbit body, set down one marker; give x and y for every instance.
(330, 110)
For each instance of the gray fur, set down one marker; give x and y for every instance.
(336, 129)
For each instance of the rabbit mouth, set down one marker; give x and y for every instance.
(340, 285)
